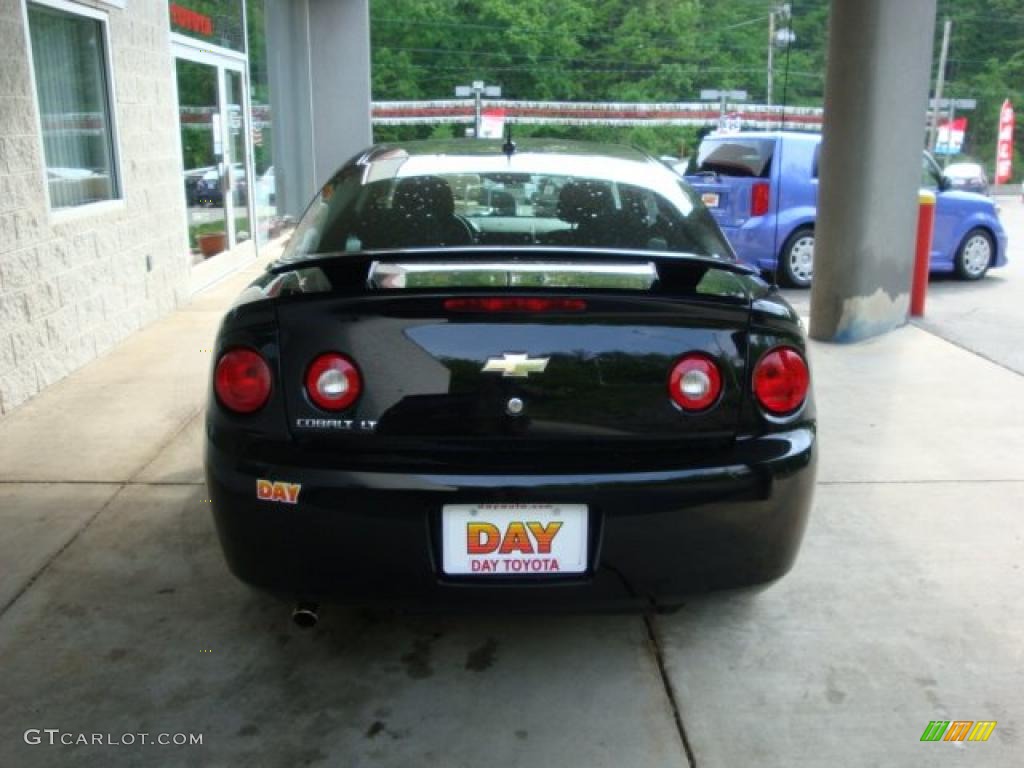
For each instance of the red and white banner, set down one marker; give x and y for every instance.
(749, 116)
(492, 123)
(1004, 146)
(951, 136)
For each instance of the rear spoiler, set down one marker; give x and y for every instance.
(539, 269)
(402, 274)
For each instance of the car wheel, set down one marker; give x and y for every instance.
(974, 256)
(797, 262)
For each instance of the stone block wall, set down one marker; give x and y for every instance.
(75, 282)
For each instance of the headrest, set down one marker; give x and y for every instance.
(424, 197)
(583, 200)
(634, 204)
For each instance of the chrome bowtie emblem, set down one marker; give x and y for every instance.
(515, 366)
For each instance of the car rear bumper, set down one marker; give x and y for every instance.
(374, 537)
(1002, 243)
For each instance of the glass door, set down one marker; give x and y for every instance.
(212, 117)
(236, 156)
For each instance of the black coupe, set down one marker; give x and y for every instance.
(446, 393)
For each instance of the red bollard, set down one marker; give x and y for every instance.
(922, 256)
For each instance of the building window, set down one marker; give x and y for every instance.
(69, 57)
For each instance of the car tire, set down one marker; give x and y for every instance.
(796, 262)
(975, 255)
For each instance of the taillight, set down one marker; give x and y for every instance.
(242, 380)
(781, 380)
(514, 304)
(760, 198)
(695, 382)
(333, 382)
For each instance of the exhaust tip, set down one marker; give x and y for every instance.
(306, 615)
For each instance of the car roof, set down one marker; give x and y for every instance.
(963, 168)
(545, 157)
(789, 135)
(469, 147)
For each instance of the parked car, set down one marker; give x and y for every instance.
(195, 186)
(968, 177)
(594, 405)
(762, 188)
(203, 186)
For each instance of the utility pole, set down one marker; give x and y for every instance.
(952, 119)
(937, 107)
(784, 36)
(477, 90)
(720, 97)
(771, 56)
(933, 124)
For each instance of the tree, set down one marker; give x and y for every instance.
(660, 50)
(986, 63)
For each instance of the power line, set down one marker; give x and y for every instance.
(953, 10)
(528, 56)
(733, 46)
(572, 62)
(669, 40)
(632, 70)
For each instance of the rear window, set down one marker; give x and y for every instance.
(964, 171)
(736, 157)
(378, 206)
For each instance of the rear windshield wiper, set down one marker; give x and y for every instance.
(722, 169)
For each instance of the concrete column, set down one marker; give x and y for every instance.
(319, 60)
(876, 98)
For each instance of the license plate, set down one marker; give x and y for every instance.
(710, 199)
(514, 539)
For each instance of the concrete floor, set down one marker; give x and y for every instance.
(987, 316)
(119, 616)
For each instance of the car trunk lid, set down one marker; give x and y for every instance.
(540, 355)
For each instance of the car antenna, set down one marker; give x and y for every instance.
(778, 196)
(509, 147)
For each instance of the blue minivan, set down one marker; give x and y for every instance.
(762, 188)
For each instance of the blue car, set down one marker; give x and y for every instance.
(762, 188)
